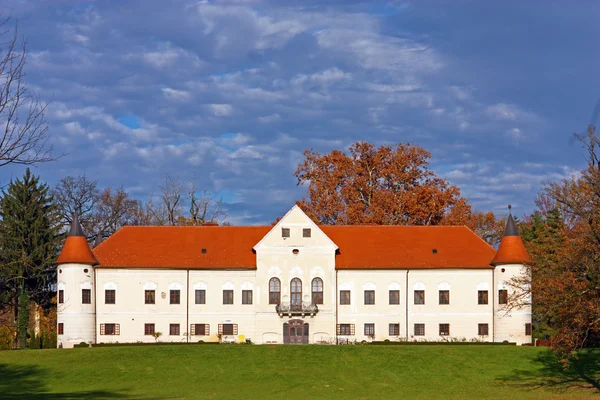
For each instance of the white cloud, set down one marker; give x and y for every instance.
(269, 119)
(221, 110)
(176, 95)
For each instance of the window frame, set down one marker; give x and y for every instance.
(247, 296)
(149, 329)
(444, 329)
(107, 297)
(502, 296)
(345, 330)
(110, 329)
(174, 296)
(369, 329)
(199, 296)
(483, 298)
(194, 331)
(228, 297)
(369, 297)
(483, 329)
(444, 297)
(306, 233)
(234, 329)
(86, 294)
(317, 290)
(345, 297)
(60, 329)
(176, 328)
(394, 329)
(148, 291)
(286, 233)
(528, 329)
(419, 329)
(420, 298)
(394, 295)
(295, 294)
(274, 296)
(61, 296)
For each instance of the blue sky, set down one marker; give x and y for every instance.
(232, 92)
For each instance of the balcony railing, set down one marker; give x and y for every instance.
(303, 309)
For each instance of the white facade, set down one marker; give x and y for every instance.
(307, 259)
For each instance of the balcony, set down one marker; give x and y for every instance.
(303, 309)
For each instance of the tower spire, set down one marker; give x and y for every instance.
(76, 249)
(511, 250)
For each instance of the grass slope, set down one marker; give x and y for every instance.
(295, 372)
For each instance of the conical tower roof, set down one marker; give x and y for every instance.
(76, 249)
(511, 250)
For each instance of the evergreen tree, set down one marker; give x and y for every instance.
(29, 243)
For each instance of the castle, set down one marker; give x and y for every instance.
(295, 282)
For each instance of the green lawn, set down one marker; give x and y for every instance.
(296, 372)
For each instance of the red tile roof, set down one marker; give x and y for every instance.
(360, 247)
(76, 250)
(511, 251)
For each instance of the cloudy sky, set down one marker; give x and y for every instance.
(232, 92)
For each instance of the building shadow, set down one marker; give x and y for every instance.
(548, 373)
(30, 382)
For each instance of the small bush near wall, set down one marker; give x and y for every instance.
(389, 343)
(6, 337)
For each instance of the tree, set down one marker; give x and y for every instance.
(29, 242)
(114, 209)
(23, 125)
(388, 185)
(565, 245)
(485, 225)
(78, 195)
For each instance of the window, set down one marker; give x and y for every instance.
(149, 296)
(174, 329)
(200, 329)
(86, 296)
(110, 296)
(369, 297)
(61, 296)
(148, 329)
(482, 297)
(528, 329)
(228, 329)
(444, 297)
(317, 291)
(345, 329)
(306, 232)
(419, 329)
(200, 295)
(369, 329)
(174, 296)
(394, 297)
(274, 291)
(444, 329)
(419, 297)
(246, 296)
(110, 329)
(483, 329)
(227, 296)
(344, 297)
(285, 232)
(61, 328)
(502, 296)
(394, 330)
(296, 294)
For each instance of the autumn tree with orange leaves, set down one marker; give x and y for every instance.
(563, 238)
(386, 185)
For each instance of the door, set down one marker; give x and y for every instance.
(295, 332)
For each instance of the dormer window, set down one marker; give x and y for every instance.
(306, 232)
(285, 232)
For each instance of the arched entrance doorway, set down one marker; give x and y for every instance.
(295, 331)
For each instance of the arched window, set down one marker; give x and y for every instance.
(274, 291)
(296, 294)
(317, 291)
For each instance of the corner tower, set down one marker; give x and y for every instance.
(76, 294)
(511, 324)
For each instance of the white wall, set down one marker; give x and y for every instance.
(77, 318)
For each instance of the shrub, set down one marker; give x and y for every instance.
(6, 338)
